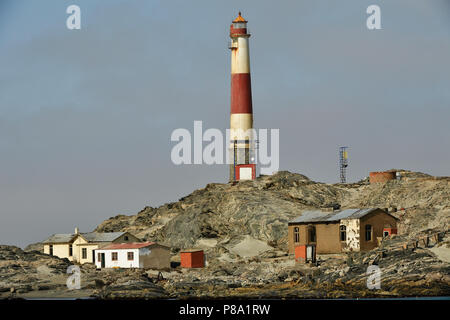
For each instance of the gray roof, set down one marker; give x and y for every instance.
(101, 237)
(321, 216)
(89, 236)
(60, 238)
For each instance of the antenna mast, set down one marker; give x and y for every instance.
(343, 163)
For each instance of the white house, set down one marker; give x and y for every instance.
(148, 255)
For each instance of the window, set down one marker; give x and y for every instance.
(368, 232)
(51, 249)
(296, 234)
(70, 250)
(343, 233)
(125, 238)
(84, 253)
(114, 256)
(130, 256)
(312, 234)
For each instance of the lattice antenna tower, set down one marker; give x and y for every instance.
(343, 163)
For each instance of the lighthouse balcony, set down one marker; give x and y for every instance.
(232, 45)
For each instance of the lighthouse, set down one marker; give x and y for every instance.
(243, 166)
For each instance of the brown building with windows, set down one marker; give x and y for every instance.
(340, 231)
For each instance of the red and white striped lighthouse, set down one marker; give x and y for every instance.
(241, 120)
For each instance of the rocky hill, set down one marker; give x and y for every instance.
(22, 271)
(224, 215)
(32, 274)
(243, 229)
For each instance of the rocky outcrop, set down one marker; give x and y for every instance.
(35, 247)
(243, 229)
(404, 273)
(34, 274)
(224, 218)
(22, 271)
(262, 208)
(110, 284)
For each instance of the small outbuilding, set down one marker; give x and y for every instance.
(382, 176)
(341, 230)
(147, 255)
(192, 258)
(387, 232)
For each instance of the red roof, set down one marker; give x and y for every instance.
(131, 245)
(190, 250)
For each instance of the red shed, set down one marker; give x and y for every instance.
(192, 258)
(389, 231)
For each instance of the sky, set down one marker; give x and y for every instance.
(86, 115)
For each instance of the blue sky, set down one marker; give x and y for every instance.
(86, 115)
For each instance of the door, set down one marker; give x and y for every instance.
(102, 256)
(245, 173)
(93, 256)
(309, 253)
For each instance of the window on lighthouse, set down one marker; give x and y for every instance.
(239, 25)
(239, 22)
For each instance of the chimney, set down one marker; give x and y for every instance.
(76, 230)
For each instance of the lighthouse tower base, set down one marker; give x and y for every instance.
(240, 172)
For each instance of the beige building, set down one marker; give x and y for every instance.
(340, 231)
(80, 247)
